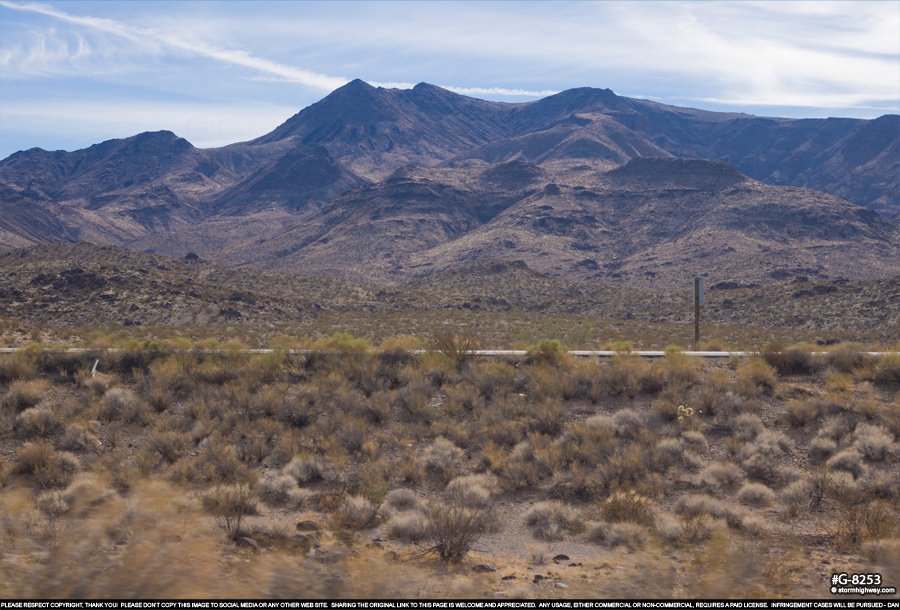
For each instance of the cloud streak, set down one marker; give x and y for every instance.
(152, 39)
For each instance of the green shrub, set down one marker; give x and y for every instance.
(547, 351)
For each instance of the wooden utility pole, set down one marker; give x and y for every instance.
(698, 298)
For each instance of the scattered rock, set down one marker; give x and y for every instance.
(509, 577)
(561, 585)
(249, 542)
(561, 557)
(482, 569)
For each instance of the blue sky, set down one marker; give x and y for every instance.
(76, 73)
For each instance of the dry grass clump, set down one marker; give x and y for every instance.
(121, 404)
(276, 488)
(552, 520)
(747, 426)
(791, 361)
(755, 377)
(887, 371)
(24, 394)
(442, 459)
(408, 526)
(38, 421)
(170, 445)
(473, 490)
(821, 448)
(693, 505)
(628, 506)
(310, 469)
(401, 499)
(756, 494)
(882, 552)
(848, 460)
(626, 423)
(49, 468)
(763, 458)
(613, 535)
(686, 529)
(528, 463)
(77, 438)
(801, 413)
(873, 441)
(215, 462)
(720, 476)
(356, 513)
(20, 366)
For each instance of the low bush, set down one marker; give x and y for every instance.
(756, 494)
(693, 505)
(887, 371)
(24, 394)
(230, 505)
(442, 459)
(747, 426)
(863, 522)
(401, 499)
(551, 520)
(801, 413)
(472, 490)
(873, 442)
(309, 469)
(790, 361)
(626, 423)
(755, 377)
(49, 468)
(613, 535)
(120, 404)
(77, 438)
(848, 460)
(19, 366)
(628, 506)
(547, 351)
(821, 448)
(724, 476)
(38, 421)
(276, 488)
(689, 529)
(453, 529)
(409, 527)
(356, 513)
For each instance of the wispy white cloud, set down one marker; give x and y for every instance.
(153, 38)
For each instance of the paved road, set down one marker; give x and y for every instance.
(476, 352)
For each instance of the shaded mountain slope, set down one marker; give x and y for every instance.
(380, 183)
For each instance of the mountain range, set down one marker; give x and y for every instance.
(386, 184)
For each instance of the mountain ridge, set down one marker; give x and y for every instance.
(388, 182)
